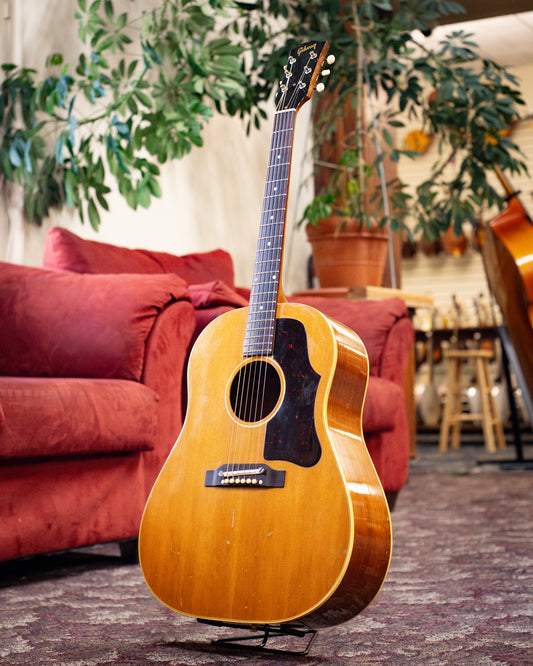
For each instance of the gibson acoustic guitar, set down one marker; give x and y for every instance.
(268, 508)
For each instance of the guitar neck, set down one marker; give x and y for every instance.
(511, 192)
(509, 189)
(259, 338)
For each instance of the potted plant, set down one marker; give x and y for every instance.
(385, 76)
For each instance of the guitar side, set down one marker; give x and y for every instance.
(317, 546)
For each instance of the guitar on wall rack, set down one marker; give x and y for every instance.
(268, 509)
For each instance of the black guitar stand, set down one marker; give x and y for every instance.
(262, 633)
(510, 360)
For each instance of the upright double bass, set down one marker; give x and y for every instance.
(268, 508)
(508, 257)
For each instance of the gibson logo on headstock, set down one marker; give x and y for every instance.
(305, 48)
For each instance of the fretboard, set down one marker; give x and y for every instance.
(259, 338)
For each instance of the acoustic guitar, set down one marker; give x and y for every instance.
(268, 508)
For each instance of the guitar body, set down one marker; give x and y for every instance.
(265, 515)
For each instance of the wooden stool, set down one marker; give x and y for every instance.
(453, 416)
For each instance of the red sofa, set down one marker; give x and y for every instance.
(91, 371)
(92, 364)
(383, 326)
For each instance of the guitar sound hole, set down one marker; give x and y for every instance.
(255, 391)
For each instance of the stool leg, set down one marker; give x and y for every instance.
(486, 415)
(498, 427)
(456, 404)
(445, 423)
(500, 436)
(449, 406)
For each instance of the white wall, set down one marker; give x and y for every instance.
(212, 198)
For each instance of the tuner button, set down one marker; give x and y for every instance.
(330, 59)
(326, 72)
(320, 87)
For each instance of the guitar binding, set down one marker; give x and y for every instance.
(262, 633)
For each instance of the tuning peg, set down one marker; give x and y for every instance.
(320, 87)
(330, 59)
(326, 72)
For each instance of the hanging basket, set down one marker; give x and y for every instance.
(347, 254)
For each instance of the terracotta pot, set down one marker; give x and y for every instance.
(350, 256)
(452, 244)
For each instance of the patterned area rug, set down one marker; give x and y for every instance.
(459, 591)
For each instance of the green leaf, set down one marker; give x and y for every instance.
(143, 195)
(102, 200)
(53, 60)
(93, 9)
(155, 188)
(132, 105)
(108, 6)
(70, 183)
(143, 99)
(131, 68)
(388, 138)
(131, 196)
(14, 157)
(94, 216)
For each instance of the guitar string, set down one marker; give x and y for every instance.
(241, 445)
(264, 342)
(272, 232)
(281, 174)
(271, 257)
(262, 316)
(254, 374)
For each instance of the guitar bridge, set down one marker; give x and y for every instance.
(244, 475)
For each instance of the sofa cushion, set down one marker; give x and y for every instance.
(65, 250)
(214, 294)
(56, 417)
(60, 324)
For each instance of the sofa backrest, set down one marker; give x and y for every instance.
(61, 324)
(371, 320)
(64, 250)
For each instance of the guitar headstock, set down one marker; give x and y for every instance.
(301, 72)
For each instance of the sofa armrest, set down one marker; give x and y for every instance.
(164, 372)
(395, 354)
(60, 324)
